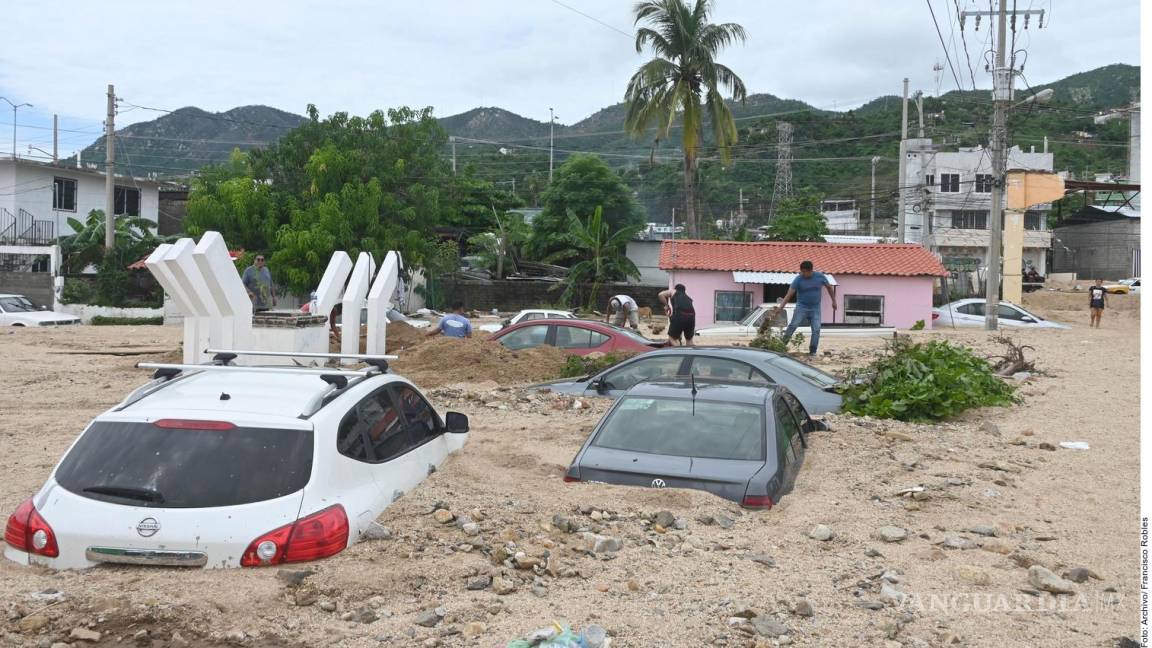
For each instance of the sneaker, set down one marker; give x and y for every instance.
(811, 354)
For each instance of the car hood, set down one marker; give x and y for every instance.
(564, 385)
(44, 316)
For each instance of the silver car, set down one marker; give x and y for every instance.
(739, 441)
(816, 389)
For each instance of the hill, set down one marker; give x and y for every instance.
(184, 140)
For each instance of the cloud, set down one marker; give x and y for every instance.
(359, 55)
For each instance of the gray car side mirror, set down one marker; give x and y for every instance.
(456, 423)
(598, 385)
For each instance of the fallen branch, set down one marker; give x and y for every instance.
(1012, 361)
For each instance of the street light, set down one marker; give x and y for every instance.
(15, 107)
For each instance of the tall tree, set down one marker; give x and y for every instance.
(582, 184)
(683, 80)
(799, 218)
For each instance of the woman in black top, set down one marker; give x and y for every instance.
(681, 315)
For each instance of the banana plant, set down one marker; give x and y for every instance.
(85, 246)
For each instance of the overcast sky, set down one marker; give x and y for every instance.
(523, 55)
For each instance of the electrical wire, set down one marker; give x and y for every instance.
(947, 56)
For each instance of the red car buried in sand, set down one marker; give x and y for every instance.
(578, 337)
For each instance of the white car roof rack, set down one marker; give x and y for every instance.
(308, 371)
(379, 361)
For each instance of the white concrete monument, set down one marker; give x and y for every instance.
(331, 287)
(380, 302)
(353, 303)
(226, 290)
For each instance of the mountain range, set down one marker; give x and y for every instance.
(184, 140)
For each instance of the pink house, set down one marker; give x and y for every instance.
(875, 283)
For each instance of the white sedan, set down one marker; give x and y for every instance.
(18, 310)
(970, 312)
(207, 467)
(528, 314)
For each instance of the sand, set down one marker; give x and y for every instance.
(1060, 509)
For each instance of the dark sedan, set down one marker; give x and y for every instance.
(575, 336)
(815, 388)
(740, 441)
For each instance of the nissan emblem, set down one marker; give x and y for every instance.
(148, 527)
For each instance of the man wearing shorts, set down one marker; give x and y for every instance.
(625, 310)
(681, 315)
(1096, 299)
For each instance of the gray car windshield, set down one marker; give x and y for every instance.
(807, 372)
(679, 427)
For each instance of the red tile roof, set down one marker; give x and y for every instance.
(893, 259)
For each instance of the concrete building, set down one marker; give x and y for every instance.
(646, 255)
(36, 199)
(1099, 242)
(887, 284)
(841, 215)
(948, 199)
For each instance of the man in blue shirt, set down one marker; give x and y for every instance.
(453, 324)
(806, 288)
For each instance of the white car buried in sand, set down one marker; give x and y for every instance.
(528, 314)
(750, 326)
(223, 466)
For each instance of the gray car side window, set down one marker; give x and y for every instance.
(372, 430)
(786, 431)
(725, 369)
(625, 377)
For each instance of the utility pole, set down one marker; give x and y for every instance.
(453, 140)
(110, 173)
(15, 107)
(900, 217)
(920, 111)
(872, 213)
(551, 141)
(55, 140)
(1002, 77)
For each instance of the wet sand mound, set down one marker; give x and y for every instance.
(442, 361)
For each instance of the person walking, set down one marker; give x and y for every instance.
(258, 282)
(1097, 297)
(454, 324)
(681, 315)
(806, 288)
(625, 309)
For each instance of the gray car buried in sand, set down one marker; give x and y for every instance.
(816, 389)
(740, 441)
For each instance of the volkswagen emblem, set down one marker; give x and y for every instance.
(148, 527)
(658, 483)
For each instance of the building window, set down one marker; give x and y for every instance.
(127, 201)
(732, 306)
(930, 180)
(983, 183)
(64, 194)
(1034, 220)
(950, 182)
(970, 220)
(863, 309)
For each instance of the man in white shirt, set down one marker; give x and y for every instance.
(625, 310)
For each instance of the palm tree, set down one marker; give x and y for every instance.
(603, 254)
(684, 80)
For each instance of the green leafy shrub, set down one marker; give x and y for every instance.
(918, 326)
(924, 382)
(76, 291)
(101, 320)
(579, 366)
(773, 340)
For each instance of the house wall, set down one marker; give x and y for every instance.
(34, 187)
(906, 299)
(1104, 250)
(646, 256)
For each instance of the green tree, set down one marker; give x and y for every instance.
(583, 183)
(602, 254)
(85, 246)
(799, 219)
(683, 80)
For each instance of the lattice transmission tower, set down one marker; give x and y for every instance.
(783, 187)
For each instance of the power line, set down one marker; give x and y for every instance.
(964, 41)
(594, 19)
(946, 54)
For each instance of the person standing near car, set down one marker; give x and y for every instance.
(806, 288)
(453, 324)
(1097, 297)
(625, 309)
(258, 282)
(681, 315)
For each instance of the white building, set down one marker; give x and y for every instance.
(36, 199)
(841, 215)
(948, 197)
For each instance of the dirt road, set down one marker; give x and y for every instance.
(994, 503)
